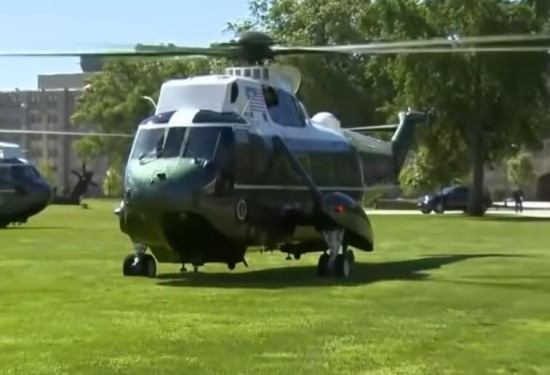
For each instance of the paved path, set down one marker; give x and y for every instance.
(492, 211)
(527, 205)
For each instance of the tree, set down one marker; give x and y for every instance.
(48, 171)
(112, 183)
(520, 170)
(333, 83)
(113, 102)
(426, 172)
(482, 101)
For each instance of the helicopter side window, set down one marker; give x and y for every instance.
(203, 142)
(283, 107)
(225, 153)
(345, 171)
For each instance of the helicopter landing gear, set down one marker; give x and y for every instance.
(139, 263)
(334, 262)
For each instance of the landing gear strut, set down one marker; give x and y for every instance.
(139, 263)
(334, 262)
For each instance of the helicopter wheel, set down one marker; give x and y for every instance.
(139, 265)
(351, 256)
(335, 262)
(231, 266)
(343, 265)
(323, 266)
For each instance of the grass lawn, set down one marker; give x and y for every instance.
(440, 295)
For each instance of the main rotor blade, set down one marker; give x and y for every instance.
(367, 47)
(234, 50)
(373, 127)
(393, 51)
(52, 132)
(142, 51)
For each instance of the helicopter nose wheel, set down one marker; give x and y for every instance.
(334, 262)
(139, 263)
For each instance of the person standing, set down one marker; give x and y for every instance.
(518, 199)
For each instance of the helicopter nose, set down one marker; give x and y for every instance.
(166, 189)
(45, 193)
(42, 194)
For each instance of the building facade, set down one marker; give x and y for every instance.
(49, 108)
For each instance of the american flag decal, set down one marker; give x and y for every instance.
(256, 99)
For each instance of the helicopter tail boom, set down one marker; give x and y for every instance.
(403, 137)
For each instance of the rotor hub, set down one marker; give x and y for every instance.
(254, 47)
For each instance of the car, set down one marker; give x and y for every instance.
(452, 198)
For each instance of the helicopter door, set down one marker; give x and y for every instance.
(224, 159)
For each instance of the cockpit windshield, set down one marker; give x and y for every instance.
(158, 143)
(202, 142)
(24, 172)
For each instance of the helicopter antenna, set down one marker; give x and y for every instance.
(150, 100)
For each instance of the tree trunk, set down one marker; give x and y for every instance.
(476, 151)
(477, 161)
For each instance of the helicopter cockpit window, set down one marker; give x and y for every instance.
(158, 143)
(283, 108)
(173, 142)
(202, 142)
(24, 172)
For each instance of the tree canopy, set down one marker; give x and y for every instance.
(486, 106)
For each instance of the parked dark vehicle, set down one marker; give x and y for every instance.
(453, 198)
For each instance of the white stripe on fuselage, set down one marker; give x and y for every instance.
(294, 187)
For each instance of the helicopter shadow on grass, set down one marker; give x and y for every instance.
(306, 276)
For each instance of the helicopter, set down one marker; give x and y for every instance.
(74, 197)
(23, 190)
(232, 161)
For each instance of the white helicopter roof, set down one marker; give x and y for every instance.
(9, 145)
(240, 92)
(201, 92)
(212, 92)
(10, 150)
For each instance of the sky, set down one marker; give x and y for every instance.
(38, 25)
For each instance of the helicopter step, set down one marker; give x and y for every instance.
(140, 263)
(335, 262)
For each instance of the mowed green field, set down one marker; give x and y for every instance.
(440, 295)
